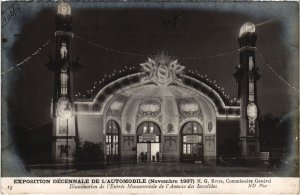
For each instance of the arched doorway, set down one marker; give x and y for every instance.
(112, 141)
(148, 142)
(192, 142)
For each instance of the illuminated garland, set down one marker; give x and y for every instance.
(275, 73)
(144, 55)
(115, 51)
(109, 49)
(211, 56)
(29, 57)
(129, 70)
(212, 83)
(106, 80)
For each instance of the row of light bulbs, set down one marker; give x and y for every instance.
(28, 58)
(96, 84)
(214, 83)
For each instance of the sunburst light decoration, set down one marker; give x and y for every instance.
(162, 69)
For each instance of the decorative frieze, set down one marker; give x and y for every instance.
(188, 108)
(115, 109)
(150, 107)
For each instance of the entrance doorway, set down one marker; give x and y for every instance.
(148, 142)
(112, 141)
(192, 142)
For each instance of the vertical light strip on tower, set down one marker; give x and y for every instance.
(247, 76)
(64, 134)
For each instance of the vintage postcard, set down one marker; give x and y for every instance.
(149, 97)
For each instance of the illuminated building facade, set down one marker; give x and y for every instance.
(159, 112)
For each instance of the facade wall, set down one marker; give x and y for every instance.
(128, 148)
(90, 128)
(171, 151)
(170, 107)
(169, 112)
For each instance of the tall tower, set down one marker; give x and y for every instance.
(64, 134)
(247, 76)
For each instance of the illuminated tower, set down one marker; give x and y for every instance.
(63, 143)
(246, 76)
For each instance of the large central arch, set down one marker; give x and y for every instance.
(166, 102)
(96, 104)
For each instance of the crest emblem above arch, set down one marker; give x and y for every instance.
(162, 70)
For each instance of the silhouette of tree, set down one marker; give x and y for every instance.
(277, 136)
(89, 154)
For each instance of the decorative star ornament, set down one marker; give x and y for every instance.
(162, 70)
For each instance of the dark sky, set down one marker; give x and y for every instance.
(200, 29)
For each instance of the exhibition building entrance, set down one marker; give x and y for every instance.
(192, 142)
(112, 141)
(148, 142)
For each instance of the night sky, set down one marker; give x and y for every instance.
(180, 29)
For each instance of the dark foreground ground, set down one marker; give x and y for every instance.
(167, 170)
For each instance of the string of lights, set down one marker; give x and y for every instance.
(211, 56)
(143, 55)
(29, 57)
(233, 51)
(275, 73)
(213, 83)
(107, 79)
(113, 51)
(104, 81)
(109, 49)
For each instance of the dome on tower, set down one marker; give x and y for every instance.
(64, 9)
(248, 27)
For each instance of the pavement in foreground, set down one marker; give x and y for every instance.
(165, 170)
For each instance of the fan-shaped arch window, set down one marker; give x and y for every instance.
(192, 128)
(148, 132)
(112, 140)
(192, 138)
